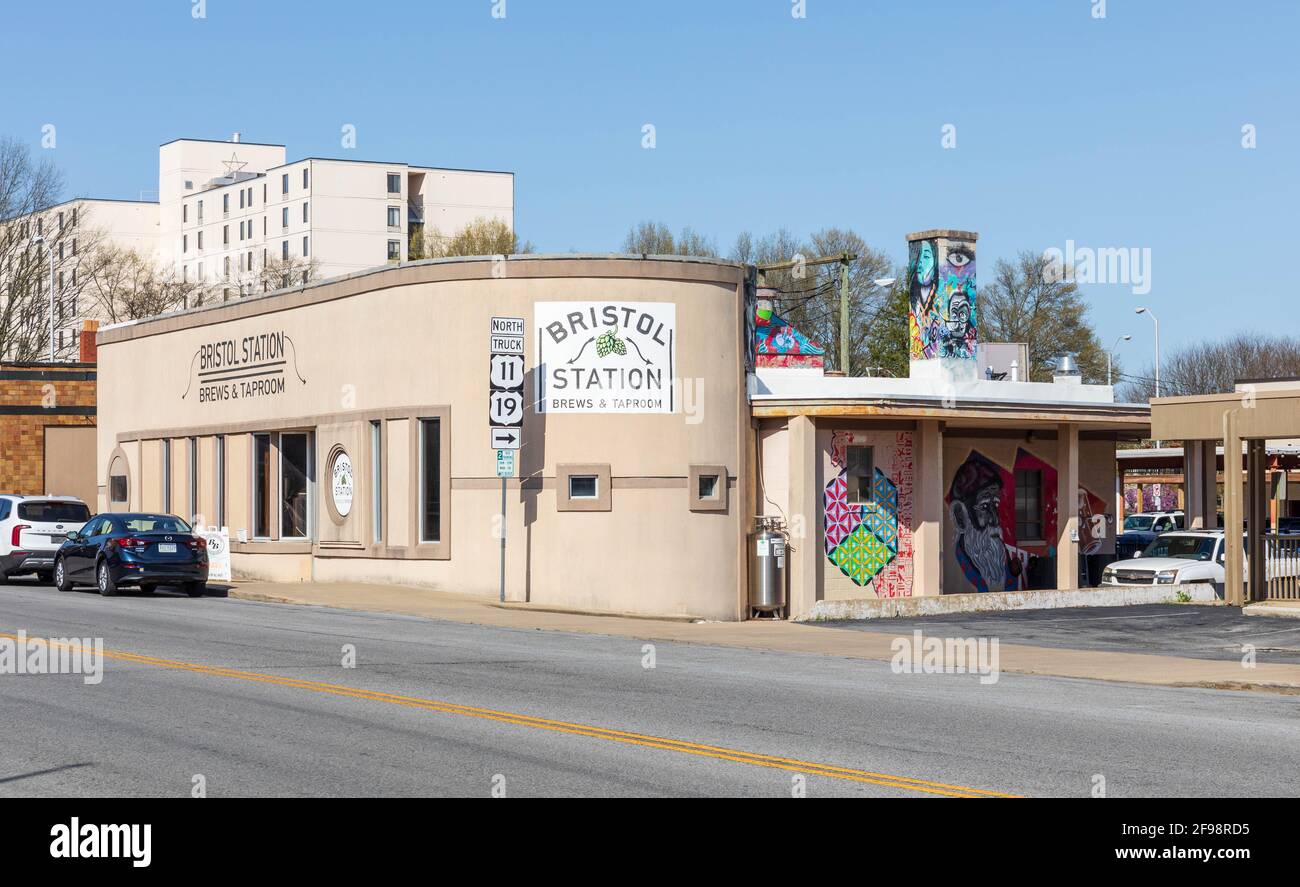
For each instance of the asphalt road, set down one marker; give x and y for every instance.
(253, 697)
(1186, 630)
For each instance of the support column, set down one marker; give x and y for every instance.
(1198, 500)
(805, 516)
(1067, 506)
(1257, 509)
(927, 510)
(1233, 512)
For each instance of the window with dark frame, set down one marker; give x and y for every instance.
(295, 476)
(582, 486)
(117, 489)
(394, 183)
(860, 463)
(708, 486)
(262, 486)
(1029, 505)
(430, 480)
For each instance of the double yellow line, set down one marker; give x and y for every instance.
(721, 753)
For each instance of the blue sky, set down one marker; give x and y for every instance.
(1115, 132)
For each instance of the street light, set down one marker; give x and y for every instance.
(1157, 325)
(1111, 353)
(37, 241)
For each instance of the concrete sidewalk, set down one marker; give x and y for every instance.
(786, 637)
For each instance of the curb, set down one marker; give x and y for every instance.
(1002, 601)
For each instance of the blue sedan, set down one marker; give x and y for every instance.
(145, 550)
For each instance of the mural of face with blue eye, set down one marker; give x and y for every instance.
(956, 301)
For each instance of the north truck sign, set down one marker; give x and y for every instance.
(606, 357)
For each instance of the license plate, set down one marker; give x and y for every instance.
(166, 547)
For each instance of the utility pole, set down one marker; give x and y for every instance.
(844, 313)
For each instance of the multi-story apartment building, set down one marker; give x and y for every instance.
(238, 218)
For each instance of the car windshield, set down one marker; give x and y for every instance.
(54, 512)
(154, 523)
(1195, 548)
(1138, 522)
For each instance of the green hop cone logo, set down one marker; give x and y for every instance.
(608, 344)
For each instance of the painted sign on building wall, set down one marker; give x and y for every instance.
(606, 357)
(341, 483)
(260, 364)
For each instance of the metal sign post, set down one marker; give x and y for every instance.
(506, 407)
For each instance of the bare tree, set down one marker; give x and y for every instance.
(1216, 367)
(29, 192)
(1029, 301)
(274, 273)
(809, 295)
(125, 285)
(654, 239)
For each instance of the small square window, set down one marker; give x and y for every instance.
(394, 250)
(582, 486)
(860, 471)
(394, 183)
(708, 486)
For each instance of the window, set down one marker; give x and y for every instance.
(295, 484)
(284, 217)
(242, 192)
(394, 217)
(394, 183)
(305, 253)
(199, 277)
(263, 226)
(860, 471)
(200, 211)
(117, 489)
(430, 480)
(225, 235)
(193, 453)
(185, 243)
(74, 246)
(185, 213)
(264, 192)
(707, 486)
(377, 481)
(304, 177)
(394, 250)
(60, 223)
(284, 250)
(167, 475)
(225, 204)
(262, 486)
(582, 486)
(1029, 505)
(225, 266)
(304, 212)
(200, 244)
(284, 184)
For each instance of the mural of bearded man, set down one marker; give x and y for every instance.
(974, 502)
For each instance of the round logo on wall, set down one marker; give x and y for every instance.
(341, 484)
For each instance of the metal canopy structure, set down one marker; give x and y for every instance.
(1252, 415)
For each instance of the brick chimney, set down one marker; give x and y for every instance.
(942, 320)
(88, 351)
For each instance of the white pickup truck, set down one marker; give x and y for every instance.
(1184, 556)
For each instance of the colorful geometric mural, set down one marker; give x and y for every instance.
(778, 344)
(871, 543)
(982, 504)
(941, 318)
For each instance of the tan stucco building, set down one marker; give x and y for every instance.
(664, 408)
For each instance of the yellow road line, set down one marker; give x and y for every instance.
(622, 736)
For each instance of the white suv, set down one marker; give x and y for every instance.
(31, 530)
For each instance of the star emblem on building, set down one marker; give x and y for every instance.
(234, 165)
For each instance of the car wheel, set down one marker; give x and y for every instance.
(107, 587)
(61, 580)
(195, 589)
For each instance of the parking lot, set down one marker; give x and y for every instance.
(1197, 632)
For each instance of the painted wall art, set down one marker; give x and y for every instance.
(942, 313)
(982, 506)
(871, 542)
(778, 344)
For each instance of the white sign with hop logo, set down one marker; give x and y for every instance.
(606, 357)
